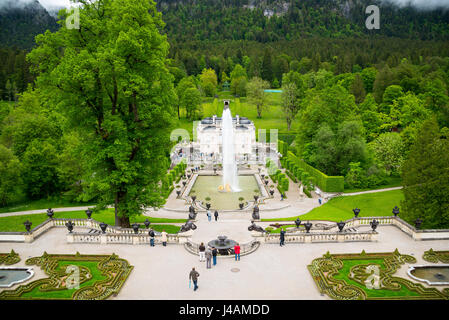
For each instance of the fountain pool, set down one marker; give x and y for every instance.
(9, 276)
(431, 274)
(206, 186)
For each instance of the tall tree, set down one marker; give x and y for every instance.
(426, 178)
(267, 69)
(290, 104)
(110, 78)
(255, 91)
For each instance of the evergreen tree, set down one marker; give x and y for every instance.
(426, 178)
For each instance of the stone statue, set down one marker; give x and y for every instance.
(189, 225)
(256, 215)
(253, 227)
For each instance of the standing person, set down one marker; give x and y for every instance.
(164, 238)
(193, 276)
(202, 250)
(208, 215)
(208, 258)
(282, 197)
(216, 215)
(237, 252)
(319, 201)
(214, 255)
(151, 234)
(282, 237)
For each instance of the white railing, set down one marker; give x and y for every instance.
(313, 237)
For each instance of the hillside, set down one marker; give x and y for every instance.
(273, 20)
(19, 24)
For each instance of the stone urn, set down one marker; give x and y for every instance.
(188, 176)
(263, 176)
(103, 227)
(356, 212)
(50, 213)
(395, 211)
(88, 213)
(341, 225)
(256, 197)
(27, 225)
(271, 192)
(298, 223)
(241, 205)
(147, 223)
(308, 226)
(135, 227)
(208, 206)
(418, 223)
(70, 226)
(193, 198)
(184, 183)
(178, 192)
(266, 182)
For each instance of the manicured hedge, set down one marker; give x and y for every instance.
(324, 182)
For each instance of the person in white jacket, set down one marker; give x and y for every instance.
(164, 238)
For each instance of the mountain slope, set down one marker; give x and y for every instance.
(19, 24)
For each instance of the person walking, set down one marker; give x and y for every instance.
(208, 258)
(151, 234)
(319, 200)
(164, 238)
(193, 276)
(202, 252)
(214, 255)
(282, 237)
(209, 216)
(237, 252)
(282, 197)
(216, 215)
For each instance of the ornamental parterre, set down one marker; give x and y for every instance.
(368, 276)
(98, 276)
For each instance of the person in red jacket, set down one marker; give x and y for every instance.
(237, 252)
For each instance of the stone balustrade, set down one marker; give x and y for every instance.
(314, 237)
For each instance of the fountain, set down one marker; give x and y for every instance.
(224, 245)
(10, 276)
(230, 179)
(430, 274)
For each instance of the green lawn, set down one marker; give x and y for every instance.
(340, 208)
(15, 223)
(43, 204)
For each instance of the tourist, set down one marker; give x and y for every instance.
(209, 216)
(164, 238)
(282, 237)
(193, 276)
(216, 215)
(202, 250)
(214, 255)
(282, 197)
(208, 258)
(151, 234)
(237, 252)
(319, 200)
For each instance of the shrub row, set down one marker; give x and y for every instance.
(309, 175)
